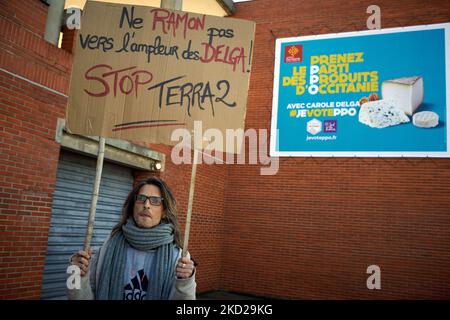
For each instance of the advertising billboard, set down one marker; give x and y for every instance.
(368, 93)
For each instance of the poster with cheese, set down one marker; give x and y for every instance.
(367, 93)
(139, 73)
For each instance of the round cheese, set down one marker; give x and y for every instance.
(425, 119)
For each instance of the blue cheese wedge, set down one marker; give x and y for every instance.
(426, 119)
(381, 114)
(407, 92)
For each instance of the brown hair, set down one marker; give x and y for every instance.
(169, 203)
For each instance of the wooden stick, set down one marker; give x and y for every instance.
(98, 176)
(191, 200)
(177, 5)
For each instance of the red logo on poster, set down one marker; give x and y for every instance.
(293, 53)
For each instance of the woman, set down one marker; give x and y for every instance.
(142, 257)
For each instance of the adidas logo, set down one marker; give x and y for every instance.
(137, 288)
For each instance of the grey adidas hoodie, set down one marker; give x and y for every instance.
(184, 289)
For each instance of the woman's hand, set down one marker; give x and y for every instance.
(185, 268)
(82, 259)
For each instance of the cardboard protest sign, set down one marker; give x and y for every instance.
(141, 72)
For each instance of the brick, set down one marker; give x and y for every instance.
(295, 235)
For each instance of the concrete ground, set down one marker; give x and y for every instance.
(225, 295)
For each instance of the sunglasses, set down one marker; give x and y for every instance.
(154, 200)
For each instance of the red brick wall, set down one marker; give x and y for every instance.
(28, 14)
(68, 39)
(24, 51)
(311, 231)
(28, 151)
(28, 162)
(207, 229)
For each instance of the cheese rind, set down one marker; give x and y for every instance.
(381, 114)
(407, 92)
(426, 119)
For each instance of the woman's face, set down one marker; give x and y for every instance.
(145, 214)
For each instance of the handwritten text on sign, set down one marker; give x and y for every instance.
(158, 67)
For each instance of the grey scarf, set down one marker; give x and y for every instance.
(110, 285)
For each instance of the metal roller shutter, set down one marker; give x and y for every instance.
(70, 211)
